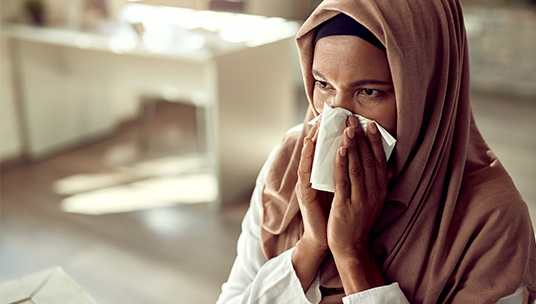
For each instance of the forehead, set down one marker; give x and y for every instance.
(350, 57)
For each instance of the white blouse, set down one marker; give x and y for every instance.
(253, 279)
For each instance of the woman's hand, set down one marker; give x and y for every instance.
(312, 248)
(360, 191)
(313, 208)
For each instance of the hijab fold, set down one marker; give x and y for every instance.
(453, 228)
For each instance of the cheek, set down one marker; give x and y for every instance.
(384, 113)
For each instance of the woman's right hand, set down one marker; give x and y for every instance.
(312, 248)
(314, 209)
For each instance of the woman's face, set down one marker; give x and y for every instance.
(351, 73)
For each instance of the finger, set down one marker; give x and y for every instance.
(306, 160)
(354, 167)
(366, 157)
(357, 169)
(376, 145)
(314, 130)
(304, 171)
(342, 182)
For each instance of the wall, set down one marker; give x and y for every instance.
(10, 141)
(10, 146)
(502, 49)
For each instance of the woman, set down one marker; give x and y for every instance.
(440, 222)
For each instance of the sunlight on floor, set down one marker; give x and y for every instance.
(150, 184)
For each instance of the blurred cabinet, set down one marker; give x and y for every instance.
(65, 97)
(72, 83)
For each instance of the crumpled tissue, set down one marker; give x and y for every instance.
(330, 138)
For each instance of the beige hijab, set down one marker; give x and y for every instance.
(454, 228)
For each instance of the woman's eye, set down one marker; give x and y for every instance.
(370, 92)
(322, 84)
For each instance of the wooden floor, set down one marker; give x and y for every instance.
(177, 253)
(167, 254)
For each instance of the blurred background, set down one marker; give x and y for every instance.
(132, 131)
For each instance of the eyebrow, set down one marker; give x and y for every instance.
(356, 83)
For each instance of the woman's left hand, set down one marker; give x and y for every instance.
(360, 190)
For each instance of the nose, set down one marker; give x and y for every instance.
(341, 100)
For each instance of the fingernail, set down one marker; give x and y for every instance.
(350, 132)
(342, 151)
(305, 141)
(373, 129)
(352, 120)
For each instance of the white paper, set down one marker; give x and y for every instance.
(330, 138)
(49, 286)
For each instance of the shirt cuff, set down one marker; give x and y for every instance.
(383, 294)
(313, 294)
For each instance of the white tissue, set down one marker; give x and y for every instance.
(330, 137)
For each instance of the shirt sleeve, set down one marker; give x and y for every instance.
(393, 294)
(384, 294)
(515, 298)
(253, 279)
